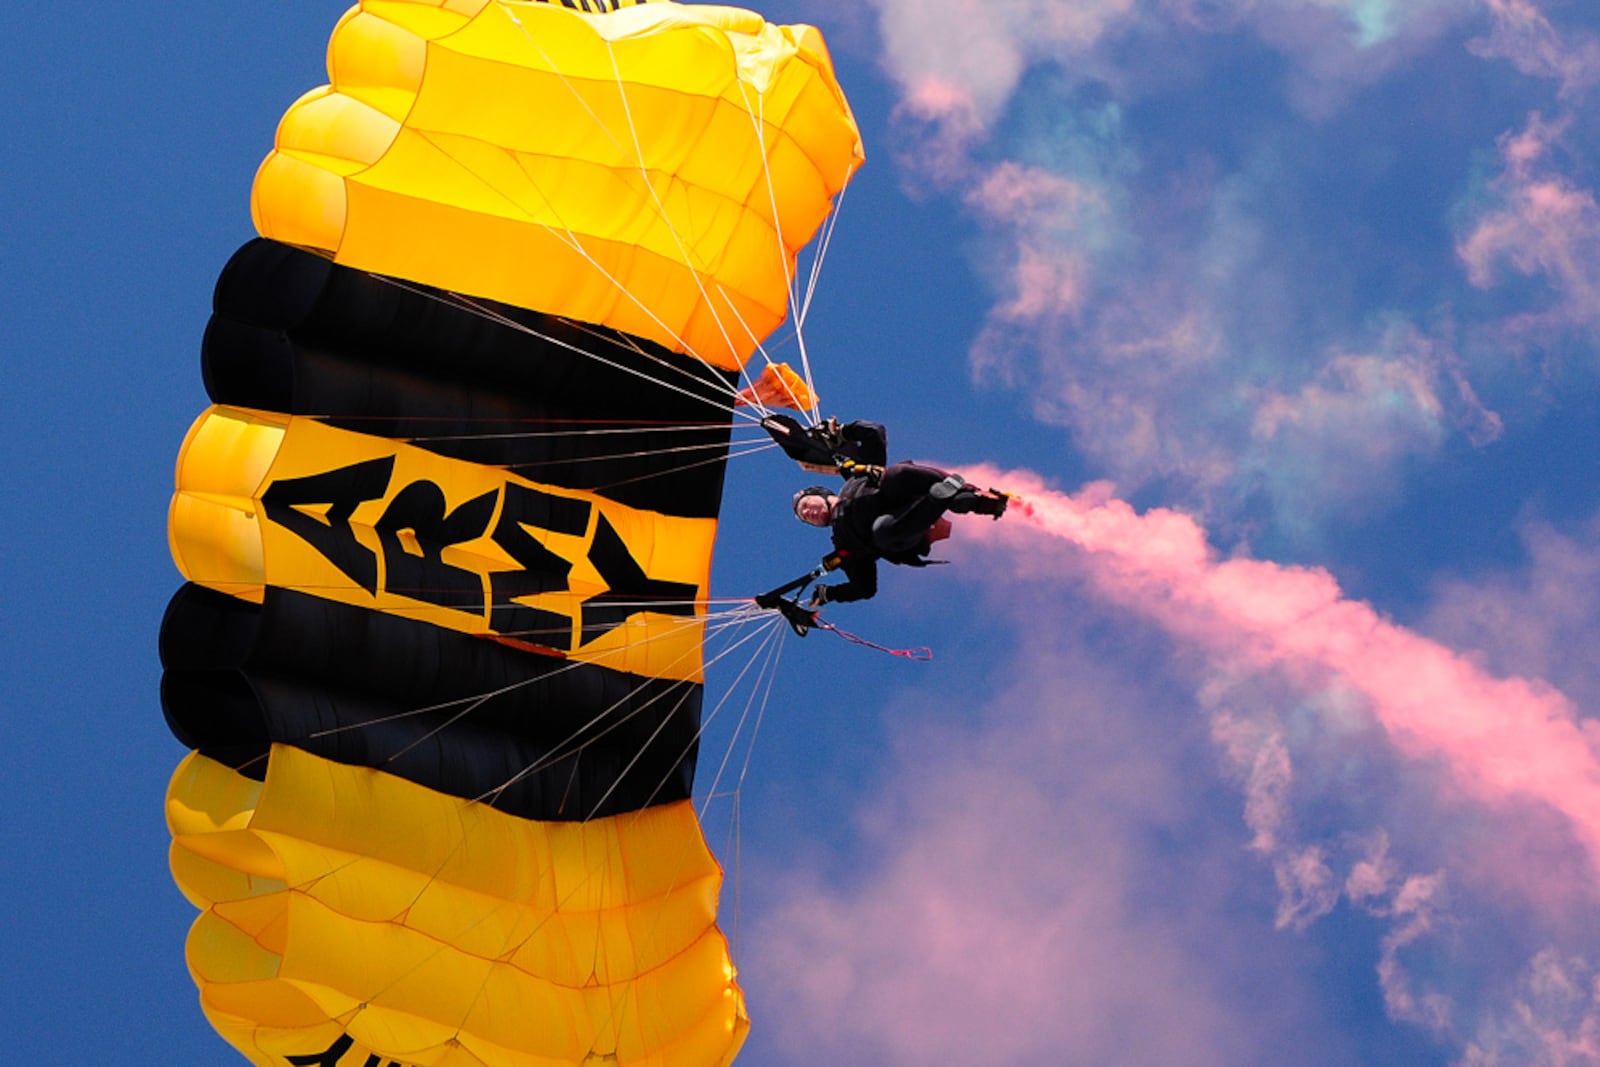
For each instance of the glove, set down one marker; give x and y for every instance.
(819, 597)
(849, 468)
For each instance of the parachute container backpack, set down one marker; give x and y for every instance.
(447, 532)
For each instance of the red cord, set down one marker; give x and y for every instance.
(922, 654)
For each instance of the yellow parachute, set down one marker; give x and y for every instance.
(447, 531)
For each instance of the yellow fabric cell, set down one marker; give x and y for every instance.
(207, 855)
(504, 105)
(214, 856)
(375, 59)
(426, 19)
(230, 458)
(318, 194)
(337, 959)
(210, 537)
(337, 131)
(204, 797)
(212, 526)
(262, 918)
(204, 881)
(223, 537)
(243, 1009)
(220, 952)
(632, 898)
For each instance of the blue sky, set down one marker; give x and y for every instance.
(1276, 743)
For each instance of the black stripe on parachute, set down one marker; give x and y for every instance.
(573, 740)
(486, 382)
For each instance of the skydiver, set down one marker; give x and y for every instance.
(894, 513)
(897, 517)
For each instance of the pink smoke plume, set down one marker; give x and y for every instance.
(1502, 739)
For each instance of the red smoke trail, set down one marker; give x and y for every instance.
(1501, 738)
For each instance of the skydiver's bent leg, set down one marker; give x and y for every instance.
(963, 499)
(907, 490)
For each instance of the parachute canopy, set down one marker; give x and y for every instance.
(655, 169)
(447, 532)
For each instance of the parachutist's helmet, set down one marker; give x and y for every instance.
(820, 517)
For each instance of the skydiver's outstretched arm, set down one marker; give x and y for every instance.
(830, 446)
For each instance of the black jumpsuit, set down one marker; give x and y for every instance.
(887, 519)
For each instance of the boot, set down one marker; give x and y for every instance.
(992, 502)
(970, 501)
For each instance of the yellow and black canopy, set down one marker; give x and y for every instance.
(447, 530)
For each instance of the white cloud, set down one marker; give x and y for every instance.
(1541, 619)
(1188, 300)
(1538, 222)
(1522, 34)
(1013, 898)
(981, 49)
(1553, 1019)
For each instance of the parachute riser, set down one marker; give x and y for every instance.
(800, 619)
(803, 620)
